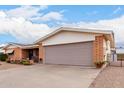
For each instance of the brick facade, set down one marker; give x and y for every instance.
(98, 50)
(41, 54)
(20, 53)
(24, 54)
(17, 54)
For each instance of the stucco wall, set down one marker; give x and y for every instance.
(68, 37)
(106, 49)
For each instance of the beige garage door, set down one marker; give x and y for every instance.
(70, 54)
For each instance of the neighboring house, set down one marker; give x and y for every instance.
(2, 51)
(76, 46)
(17, 51)
(113, 55)
(120, 54)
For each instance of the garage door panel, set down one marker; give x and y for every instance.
(71, 54)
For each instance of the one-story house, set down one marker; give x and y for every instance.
(1, 50)
(76, 46)
(17, 51)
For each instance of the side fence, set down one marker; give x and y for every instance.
(119, 63)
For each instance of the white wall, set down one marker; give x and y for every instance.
(107, 49)
(68, 37)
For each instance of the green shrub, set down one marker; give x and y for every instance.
(3, 57)
(25, 62)
(17, 62)
(8, 60)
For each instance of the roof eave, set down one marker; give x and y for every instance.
(73, 29)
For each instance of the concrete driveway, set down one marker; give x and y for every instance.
(5, 66)
(48, 76)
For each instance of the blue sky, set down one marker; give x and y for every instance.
(26, 24)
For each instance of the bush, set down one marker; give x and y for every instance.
(99, 64)
(17, 62)
(25, 62)
(3, 57)
(8, 60)
(11, 61)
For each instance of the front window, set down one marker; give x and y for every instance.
(11, 53)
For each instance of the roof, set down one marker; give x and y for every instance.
(24, 46)
(9, 51)
(77, 29)
(2, 51)
(29, 46)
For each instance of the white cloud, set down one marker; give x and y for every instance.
(17, 22)
(57, 16)
(116, 24)
(52, 16)
(2, 14)
(23, 30)
(85, 25)
(34, 13)
(25, 11)
(116, 10)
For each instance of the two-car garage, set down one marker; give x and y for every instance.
(75, 46)
(70, 54)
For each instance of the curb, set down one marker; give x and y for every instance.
(101, 69)
(104, 66)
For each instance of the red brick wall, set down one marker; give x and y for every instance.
(17, 53)
(98, 53)
(41, 54)
(24, 53)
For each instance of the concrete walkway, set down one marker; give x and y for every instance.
(47, 76)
